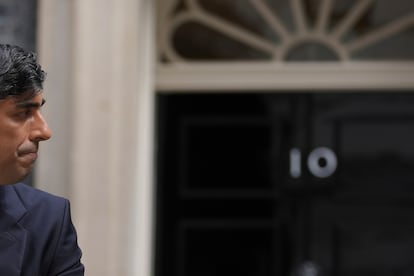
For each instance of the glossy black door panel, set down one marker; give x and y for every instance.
(363, 239)
(372, 134)
(285, 184)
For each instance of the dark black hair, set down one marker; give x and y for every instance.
(19, 72)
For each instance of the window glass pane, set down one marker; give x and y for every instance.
(282, 31)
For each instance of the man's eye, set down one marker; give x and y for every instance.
(25, 113)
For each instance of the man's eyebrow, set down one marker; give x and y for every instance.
(30, 104)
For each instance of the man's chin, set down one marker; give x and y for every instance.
(10, 180)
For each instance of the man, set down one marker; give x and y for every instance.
(37, 237)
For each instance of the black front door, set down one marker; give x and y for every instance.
(285, 184)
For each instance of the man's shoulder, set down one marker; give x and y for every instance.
(28, 205)
(25, 190)
(43, 224)
(31, 196)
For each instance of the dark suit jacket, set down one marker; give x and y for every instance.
(37, 237)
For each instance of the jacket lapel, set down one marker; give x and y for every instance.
(12, 235)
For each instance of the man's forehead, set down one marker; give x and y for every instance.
(35, 101)
(29, 97)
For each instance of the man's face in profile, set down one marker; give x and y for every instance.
(22, 127)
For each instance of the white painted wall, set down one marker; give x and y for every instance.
(99, 55)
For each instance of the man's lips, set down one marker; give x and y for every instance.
(28, 155)
(32, 153)
(27, 152)
(27, 148)
(27, 159)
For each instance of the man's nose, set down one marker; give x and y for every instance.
(40, 130)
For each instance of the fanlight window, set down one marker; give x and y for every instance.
(286, 30)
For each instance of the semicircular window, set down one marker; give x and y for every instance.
(288, 30)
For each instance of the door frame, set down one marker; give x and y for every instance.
(271, 76)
